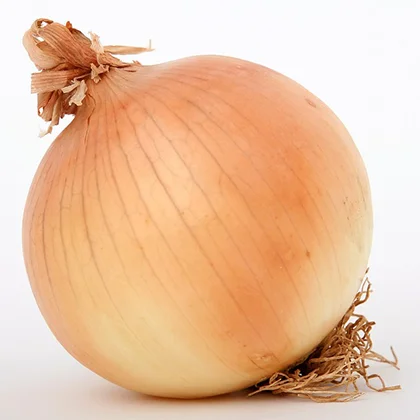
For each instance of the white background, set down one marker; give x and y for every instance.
(361, 57)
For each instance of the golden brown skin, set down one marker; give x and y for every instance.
(199, 225)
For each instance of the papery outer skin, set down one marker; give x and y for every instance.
(200, 225)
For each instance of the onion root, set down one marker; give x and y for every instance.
(331, 372)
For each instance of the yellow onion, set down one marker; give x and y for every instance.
(199, 225)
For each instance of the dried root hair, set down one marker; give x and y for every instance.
(331, 372)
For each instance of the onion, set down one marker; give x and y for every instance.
(200, 224)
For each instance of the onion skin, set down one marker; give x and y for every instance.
(200, 225)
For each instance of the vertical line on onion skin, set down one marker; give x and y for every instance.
(65, 171)
(169, 247)
(44, 248)
(71, 189)
(31, 206)
(43, 174)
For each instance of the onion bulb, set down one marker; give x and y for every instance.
(199, 225)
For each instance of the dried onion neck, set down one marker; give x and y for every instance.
(66, 58)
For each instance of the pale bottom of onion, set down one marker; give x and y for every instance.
(329, 373)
